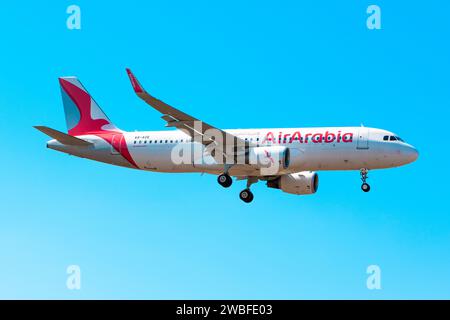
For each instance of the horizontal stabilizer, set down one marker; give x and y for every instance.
(63, 137)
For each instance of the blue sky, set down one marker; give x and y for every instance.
(234, 64)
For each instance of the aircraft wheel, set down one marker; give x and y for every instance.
(224, 180)
(246, 195)
(365, 187)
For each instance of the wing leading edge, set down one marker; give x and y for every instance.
(199, 130)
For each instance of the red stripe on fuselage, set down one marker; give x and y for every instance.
(122, 148)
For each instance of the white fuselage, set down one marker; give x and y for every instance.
(311, 149)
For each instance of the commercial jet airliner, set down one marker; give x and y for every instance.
(286, 158)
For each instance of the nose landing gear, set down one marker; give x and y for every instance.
(365, 186)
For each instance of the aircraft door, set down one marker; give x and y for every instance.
(363, 138)
(116, 143)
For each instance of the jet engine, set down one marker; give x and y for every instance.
(306, 182)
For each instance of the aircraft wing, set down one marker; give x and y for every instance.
(200, 131)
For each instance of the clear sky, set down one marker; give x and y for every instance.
(235, 64)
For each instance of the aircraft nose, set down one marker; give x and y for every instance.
(410, 153)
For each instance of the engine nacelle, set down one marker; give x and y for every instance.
(272, 159)
(306, 182)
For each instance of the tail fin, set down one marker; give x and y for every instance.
(83, 115)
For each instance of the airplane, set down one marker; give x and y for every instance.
(285, 158)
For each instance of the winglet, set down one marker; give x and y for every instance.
(135, 83)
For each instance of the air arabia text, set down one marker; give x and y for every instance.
(327, 137)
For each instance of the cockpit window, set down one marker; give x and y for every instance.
(392, 138)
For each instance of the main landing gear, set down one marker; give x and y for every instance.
(246, 195)
(225, 180)
(365, 186)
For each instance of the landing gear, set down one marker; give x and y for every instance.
(246, 195)
(365, 186)
(225, 180)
